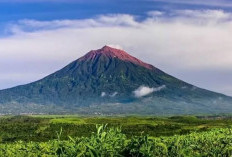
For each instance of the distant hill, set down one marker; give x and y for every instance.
(110, 81)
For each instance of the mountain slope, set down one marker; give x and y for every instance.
(105, 81)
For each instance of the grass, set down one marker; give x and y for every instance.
(42, 128)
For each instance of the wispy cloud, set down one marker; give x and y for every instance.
(218, 3)
(144, 90)
(208, 15)
(114, 94)
(155, 13)
(194, 17)
(104, 94)
(28, 25)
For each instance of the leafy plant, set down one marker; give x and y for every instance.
(111, 142)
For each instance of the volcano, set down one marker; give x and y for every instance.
(110, 81)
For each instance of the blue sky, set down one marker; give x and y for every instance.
(79, 9)
(190, 39)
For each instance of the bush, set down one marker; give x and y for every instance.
(110, 142)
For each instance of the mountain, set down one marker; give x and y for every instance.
(110, 81)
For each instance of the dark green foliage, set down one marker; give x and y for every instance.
(43, 129)
(110, 142)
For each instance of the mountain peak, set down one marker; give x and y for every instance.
(108, 48)
(115, 53)
(111, 81)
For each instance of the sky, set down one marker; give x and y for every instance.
(189, 39)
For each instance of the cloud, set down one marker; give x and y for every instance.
(111, 20)
(155, 13)
(115, 46)
(103, 94)
(193, 17)
(143, 90)
(204, 14)
(177, 42)
(114, 94)
(217, 3)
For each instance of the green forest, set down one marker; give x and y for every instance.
(115, 136)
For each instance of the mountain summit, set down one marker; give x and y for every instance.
(110, 52)
(110, 81)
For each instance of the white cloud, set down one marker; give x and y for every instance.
(194, 17)
(155, 13)
(144, 90)
(100, 21)
(115, 46)
(114, 94)
(103, 94)
(203, 17)
(176, 42)
(217, 3)
(159, 88)
(205, 14)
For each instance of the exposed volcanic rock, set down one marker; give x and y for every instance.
(114, 53)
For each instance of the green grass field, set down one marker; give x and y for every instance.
(137, 136)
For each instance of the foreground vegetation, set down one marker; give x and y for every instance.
(33, 136)
(111, 142)
(44, 128)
